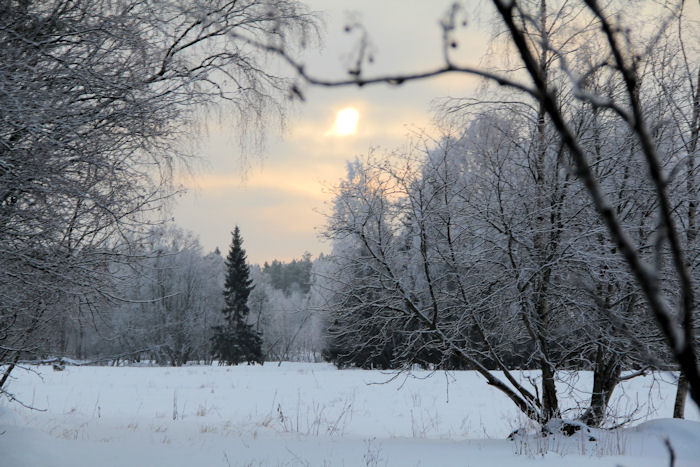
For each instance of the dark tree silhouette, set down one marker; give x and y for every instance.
(236, 341)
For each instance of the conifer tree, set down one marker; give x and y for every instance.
(236, 341)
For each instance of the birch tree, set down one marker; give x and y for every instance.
(95, 96)
(555, 76)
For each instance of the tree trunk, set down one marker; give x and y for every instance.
(8, 370)
(681, 396)
(550, 403)
(606, 375)
(682, 392)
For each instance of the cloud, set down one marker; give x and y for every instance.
(298, 183)
(273, 199)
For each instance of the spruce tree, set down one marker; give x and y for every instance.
(236, 341)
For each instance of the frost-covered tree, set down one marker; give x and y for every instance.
(282, 307)
(168, 299)
(174, 303)
(435, 263)
(583, 71)
(236, 340)
(95, 95)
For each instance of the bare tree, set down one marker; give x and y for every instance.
(625, 55)
(95, 96)
(281, 310)
(416, 282)
(175, 302)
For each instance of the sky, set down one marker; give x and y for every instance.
(280, 198)
(279, 201)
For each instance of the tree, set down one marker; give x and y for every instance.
(95, 95)
(281, 303)
(290, 277)
(433, 256)
(557, 81)
(236, 341)
(171, 300)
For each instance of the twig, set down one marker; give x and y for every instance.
(671, 452)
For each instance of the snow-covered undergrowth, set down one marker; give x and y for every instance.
(314, 414)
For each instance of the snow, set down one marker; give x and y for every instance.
(313, 414)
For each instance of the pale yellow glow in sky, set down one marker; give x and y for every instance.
(280, 199)
(345, 122)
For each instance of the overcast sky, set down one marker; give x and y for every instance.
(279, 202)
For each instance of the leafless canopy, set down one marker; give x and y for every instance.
(584, 68)
(95, 95)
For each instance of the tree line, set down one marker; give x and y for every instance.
(550, 226)
(96, 97)
(176, 305)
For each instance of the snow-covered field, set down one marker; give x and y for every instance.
(311, 415)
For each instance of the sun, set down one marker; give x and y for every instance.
(346, 122)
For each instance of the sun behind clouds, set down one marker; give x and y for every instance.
(345, 122)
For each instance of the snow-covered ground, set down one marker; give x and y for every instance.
(312, 415)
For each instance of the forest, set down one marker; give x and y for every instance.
(548, 224)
